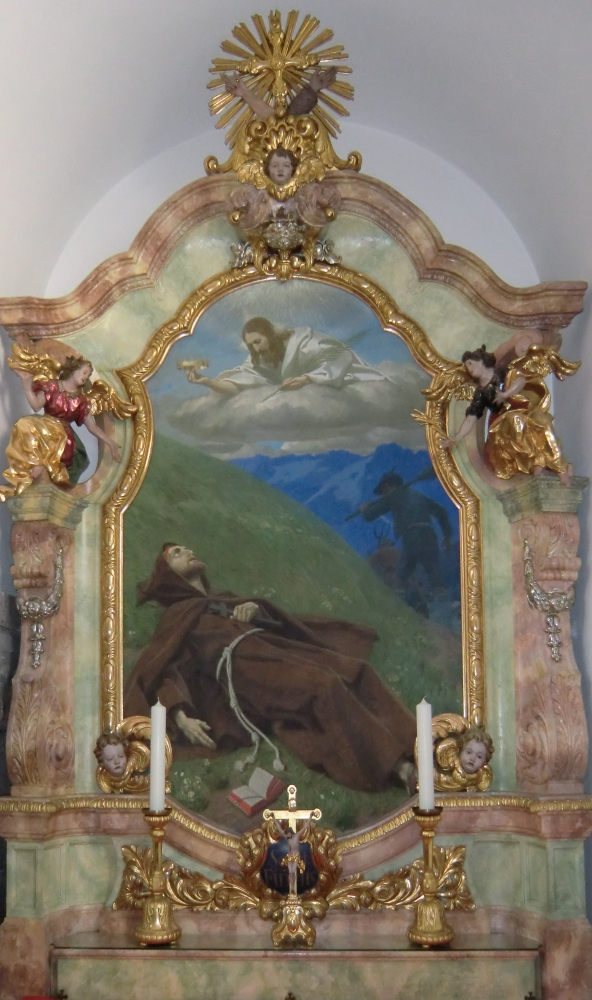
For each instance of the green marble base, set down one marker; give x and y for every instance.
(97, 967)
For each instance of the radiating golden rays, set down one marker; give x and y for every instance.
(276, 65)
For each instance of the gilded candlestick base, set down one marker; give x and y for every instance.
(430, 927)
(158, 925)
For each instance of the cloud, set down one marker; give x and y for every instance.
(358, 417)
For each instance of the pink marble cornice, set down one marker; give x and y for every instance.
(546, 818)
(548, 305)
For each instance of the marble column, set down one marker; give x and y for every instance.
(551, 733)
(40, 737)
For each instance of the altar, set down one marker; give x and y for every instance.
(328, 489)
(377, 966)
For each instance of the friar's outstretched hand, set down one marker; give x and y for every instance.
(246, 612)
(194, 730)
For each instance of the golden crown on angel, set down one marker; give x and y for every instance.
(46, 447)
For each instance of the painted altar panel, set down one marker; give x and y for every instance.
(321, 500)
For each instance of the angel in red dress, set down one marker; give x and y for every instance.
(64, 392)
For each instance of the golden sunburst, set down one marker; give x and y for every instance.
(275, 66)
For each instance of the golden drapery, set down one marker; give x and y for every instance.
(522, 438)
(34, 442)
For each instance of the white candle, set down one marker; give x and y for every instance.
(157, 759)
(425, 755)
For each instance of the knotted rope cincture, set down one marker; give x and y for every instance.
(256, 735)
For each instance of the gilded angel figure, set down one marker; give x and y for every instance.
(48, 443)
(521, 435)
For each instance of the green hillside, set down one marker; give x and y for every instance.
(259, 543)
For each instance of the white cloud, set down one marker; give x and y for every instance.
(357, 417)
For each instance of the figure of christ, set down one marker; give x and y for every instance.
(302, 681)
(288, 360)
(293, 860)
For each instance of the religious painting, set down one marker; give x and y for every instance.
(291, 559)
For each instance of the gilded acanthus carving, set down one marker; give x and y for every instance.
(255, 888)
(552, 740)
(40, 739)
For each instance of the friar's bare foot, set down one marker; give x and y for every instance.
(538, 470)
(565, 478)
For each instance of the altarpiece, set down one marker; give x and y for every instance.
(317, 500)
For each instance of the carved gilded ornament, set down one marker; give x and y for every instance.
(281, 210)
(292, 914)
(130, 735)
(276, 64)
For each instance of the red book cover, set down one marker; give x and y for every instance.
(262, 789)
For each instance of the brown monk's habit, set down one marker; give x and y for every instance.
(306, 684)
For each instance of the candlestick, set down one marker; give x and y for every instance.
(430, 927)
(157, 757)
(425, 756)
(158, 925)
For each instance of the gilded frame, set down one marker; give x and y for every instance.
(133, 378)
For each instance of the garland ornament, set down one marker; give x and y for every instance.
(552, 603)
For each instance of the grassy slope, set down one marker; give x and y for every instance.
(258, 542)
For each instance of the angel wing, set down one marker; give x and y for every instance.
(538, 362)
(40, 366)
(104, 399)
(446, 754)
(454, 381)
(446, 724)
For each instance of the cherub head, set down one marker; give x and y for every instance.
(74, 372)
(475, 749)
(280, 165)
(111, 751)
(479, 364)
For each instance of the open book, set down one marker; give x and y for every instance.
(262, 789)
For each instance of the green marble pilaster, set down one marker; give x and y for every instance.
(566, 879)
(87, 649)
(498, 618)
(76, 871)
(542, 493)
(543, 877)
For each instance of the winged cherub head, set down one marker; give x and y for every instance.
(475, 749)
